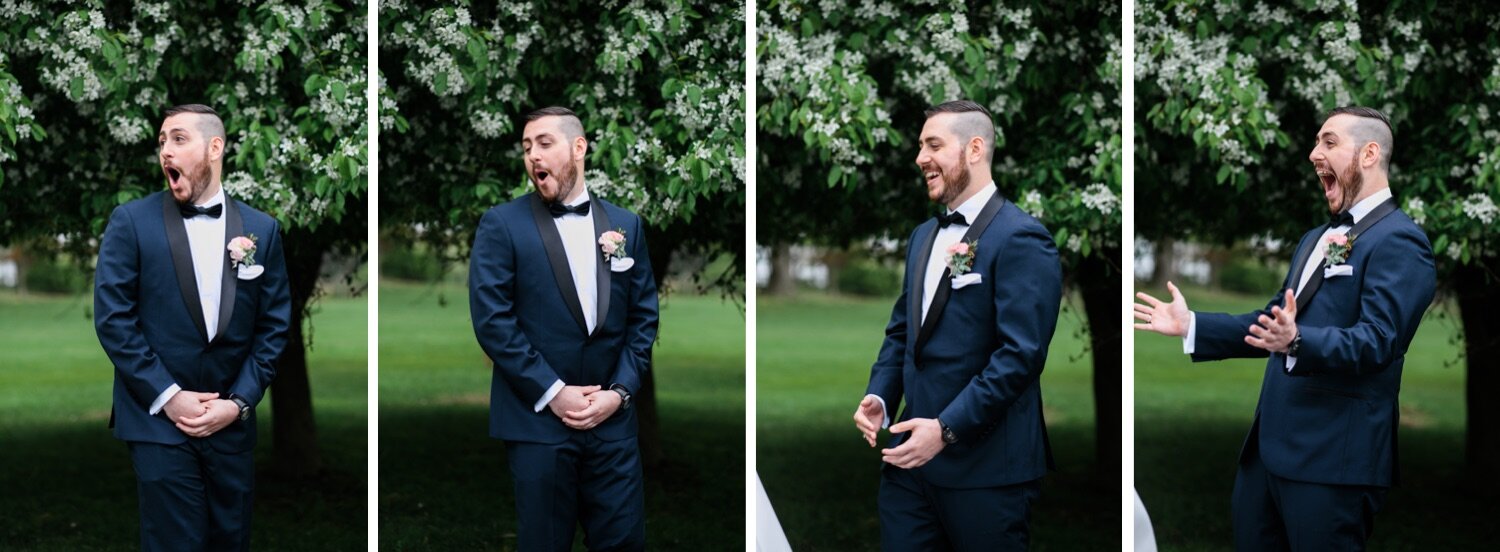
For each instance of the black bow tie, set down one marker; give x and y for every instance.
(952, 218)
(190, 211)
(558, 209)
(1341, 219)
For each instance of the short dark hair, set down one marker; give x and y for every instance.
(975, 120)
(210, 126)
(572, 125)
(1373, 126)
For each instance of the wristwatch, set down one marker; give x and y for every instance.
(1291, 350)
(243, 404)
(624, 395)
(949, 436)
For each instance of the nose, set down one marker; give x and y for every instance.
(922, 157)
(1313, 155)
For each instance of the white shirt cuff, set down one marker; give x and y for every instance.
(1290, 362)
(161, 400)
(1190, 341)
(547, 397)
(885, 414)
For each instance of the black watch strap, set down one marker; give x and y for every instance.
(949, 436)
(624, 395)
(243, 404)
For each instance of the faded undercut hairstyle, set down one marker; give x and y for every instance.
(211, 126)
(571, 125)
(972, 120)
(1370, 125)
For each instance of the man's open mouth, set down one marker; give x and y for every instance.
(173, 174)
(1327, 177)
(539, 175)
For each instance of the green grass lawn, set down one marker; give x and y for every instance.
(1190, 421)
(445, 484)
(67, 484)
(813, 361)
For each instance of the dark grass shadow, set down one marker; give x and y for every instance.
(1185, 473)
(445, 484)
(71, 487)
(823, 483)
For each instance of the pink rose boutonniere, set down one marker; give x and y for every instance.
(961, 257)
(1337, 248)
(612, 243)
(242, 250)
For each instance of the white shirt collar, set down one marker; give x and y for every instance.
(1359, 210)
(970, 208)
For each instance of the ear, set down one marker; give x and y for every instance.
(974, 150)
(1369, 156)
(215, 148)
(580, 148)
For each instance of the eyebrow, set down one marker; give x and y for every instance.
(1326, 133)
(173, 129)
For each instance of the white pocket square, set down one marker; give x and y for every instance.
(1338, 270)
(250, 272)
(966, 280)
(621, 265)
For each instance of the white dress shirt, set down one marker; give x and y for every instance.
(578, 239)
(206, 242)
(1314, 260)
(938, 259)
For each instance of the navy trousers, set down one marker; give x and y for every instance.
(193, 497)
(918, 516)
(584, 480)
(1275, 513)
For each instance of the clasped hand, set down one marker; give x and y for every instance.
(200, 414)
(582, 407)
(925, 442)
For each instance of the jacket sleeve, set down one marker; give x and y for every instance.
(117, 312)
(492, 293)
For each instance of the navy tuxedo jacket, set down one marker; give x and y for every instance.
(529, 321)
(1333, 419)
(150, 322)
(976, 362)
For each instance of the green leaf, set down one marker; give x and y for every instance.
(835, 176)
(478, 53)
(440, 83)
(1224, 173)
(76, 88)
(339, 90)
(313, 84)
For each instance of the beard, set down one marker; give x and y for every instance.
(1351, 181)
(955, 186)
(566, 178)
(198, 179)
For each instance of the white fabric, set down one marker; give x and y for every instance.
(938, 259)
(578, 238)
(1190, 340)
(768, 534)
(548, 396)
(1145, 538)
(206, 240)
(161, 400)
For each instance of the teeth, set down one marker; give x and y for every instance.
(930, 175)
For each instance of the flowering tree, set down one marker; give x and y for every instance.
(1224, 86)
(85, 82)
(840, 100)
(658, 85)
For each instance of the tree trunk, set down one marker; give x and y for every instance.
(1165, 254)
(1099, 284)
(1478, 300)
(293, 432)
(782, 281)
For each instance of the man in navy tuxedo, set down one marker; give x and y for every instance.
(965, 348)
(1322, 449)
(192, 329)
(564, 303)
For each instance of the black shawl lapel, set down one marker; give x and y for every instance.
(182, 261)
(234, 227)
(601, 225)
(944, 289)
(1316, 281)
(558, 257)
(918, 282)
